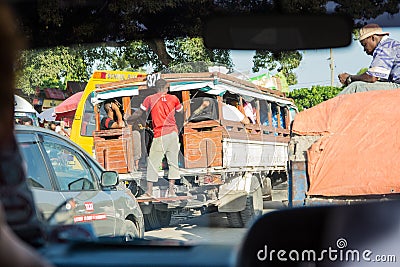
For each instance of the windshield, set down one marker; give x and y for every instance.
(174, 139)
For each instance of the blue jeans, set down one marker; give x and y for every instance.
(356, 87)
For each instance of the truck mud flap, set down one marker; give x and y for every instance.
(233, 202)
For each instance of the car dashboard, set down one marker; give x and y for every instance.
(141, 253)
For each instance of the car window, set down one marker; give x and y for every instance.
(71, 170)
(36, 171)
(88, 120)
(95, 168)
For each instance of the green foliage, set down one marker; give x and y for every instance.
(308, 97)
(185, 50)
(51, 68)
(132, 57)
(135, 56)
(283, 62)
(135, 25)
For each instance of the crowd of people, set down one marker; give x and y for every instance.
(56, 126)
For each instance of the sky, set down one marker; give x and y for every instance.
(314, 68)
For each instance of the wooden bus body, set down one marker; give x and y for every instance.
(224, 163)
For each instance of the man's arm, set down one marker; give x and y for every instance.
(205, 104)
(178, 105)
(120, 121)
(346, 78)
(134, 117)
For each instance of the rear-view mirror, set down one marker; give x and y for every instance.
(278, 33)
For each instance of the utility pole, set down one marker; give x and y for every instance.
(332, 66)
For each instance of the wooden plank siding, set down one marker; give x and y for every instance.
(114, 149)
(203, 149)
(202, 141)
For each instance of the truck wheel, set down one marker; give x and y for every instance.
(234, 219)
(157, 219)
(254, 207)
(164, 217)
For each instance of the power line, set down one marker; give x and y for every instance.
(313, 82)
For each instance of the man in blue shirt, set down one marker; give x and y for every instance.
(384, 71)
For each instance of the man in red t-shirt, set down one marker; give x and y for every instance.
(162, 107)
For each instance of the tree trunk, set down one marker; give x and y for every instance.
(158, 46)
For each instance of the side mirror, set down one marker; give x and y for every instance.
(109, 178)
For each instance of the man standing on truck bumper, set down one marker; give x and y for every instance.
(384, 71)
(162, 107)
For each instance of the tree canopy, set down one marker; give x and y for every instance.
(308, 97)
(283, 62)
(51, 68)
(54, 66)
(145, 32)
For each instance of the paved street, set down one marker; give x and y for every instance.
(212, 227)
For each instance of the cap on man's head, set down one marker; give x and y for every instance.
(369, 30)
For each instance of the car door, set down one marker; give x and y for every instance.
(122, 202)
(76, 179)
(38, 175)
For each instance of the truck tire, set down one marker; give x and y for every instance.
(234, 219)
(253, 209)
(164, 217)
(157, 219)
(254, 206)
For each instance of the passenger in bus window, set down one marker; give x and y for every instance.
(232, 113)
(250, 112)
(229, 112)
(26, 121)
(207, 113)
(114, 117)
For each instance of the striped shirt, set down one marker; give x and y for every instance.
(385, 64)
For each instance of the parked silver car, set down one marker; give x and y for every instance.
(58, 170)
